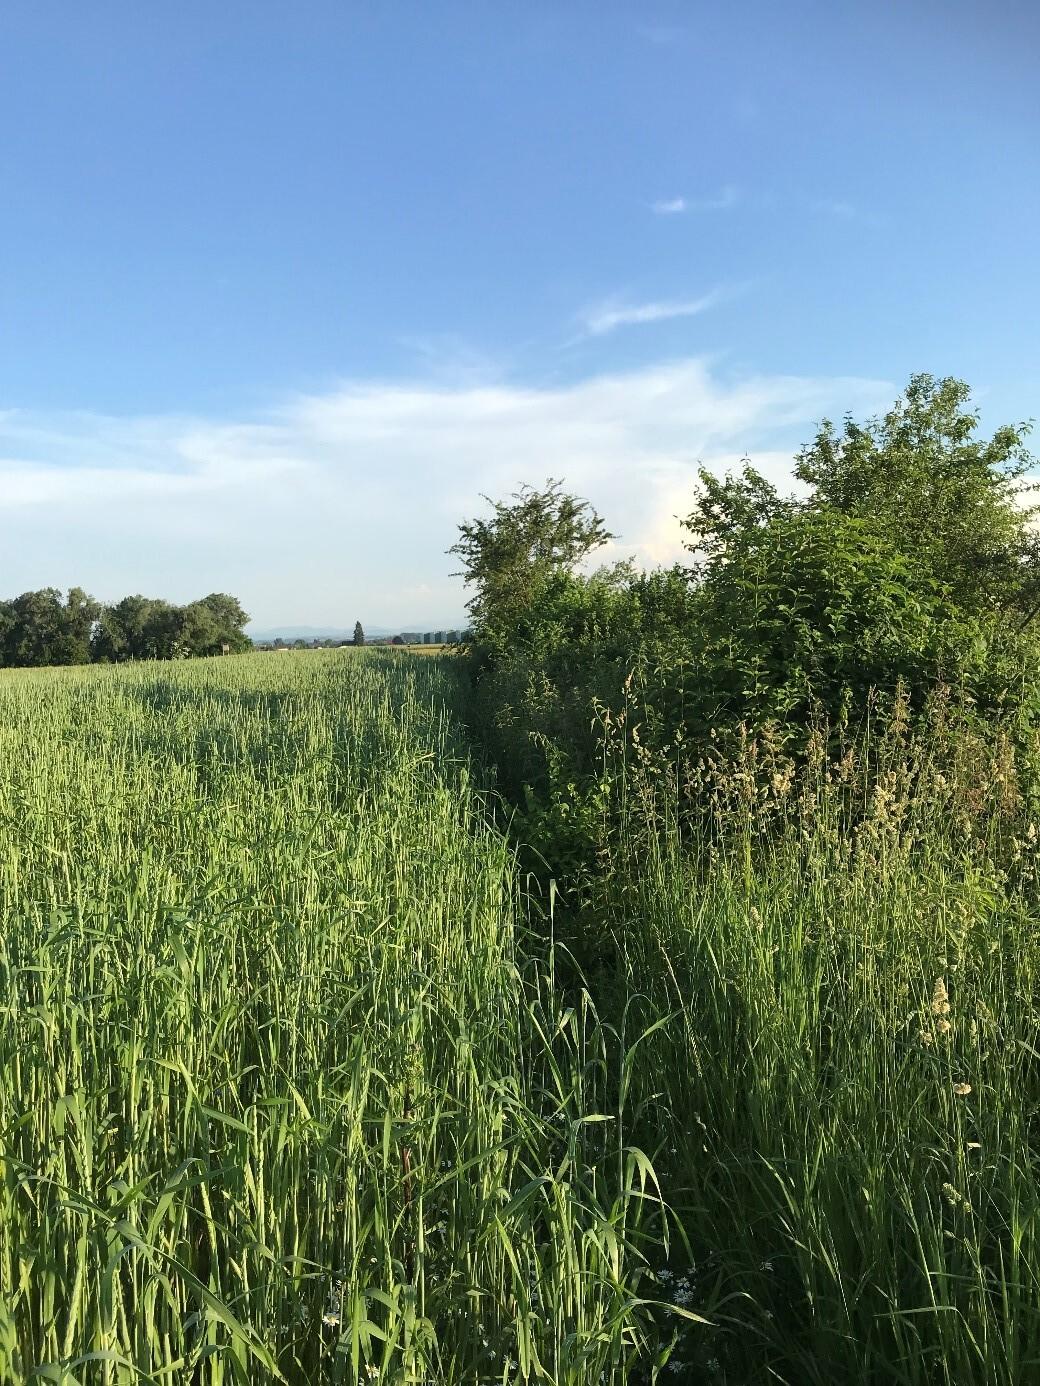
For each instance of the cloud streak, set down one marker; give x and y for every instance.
(608, 316)
(722, 201)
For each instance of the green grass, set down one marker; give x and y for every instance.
(848, 1097)
(295, 1086)
(281, 1095)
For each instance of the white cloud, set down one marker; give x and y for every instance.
(669, 207)
(611, 314)
(721, 201)
(341, 505)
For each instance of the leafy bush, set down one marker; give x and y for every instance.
(909, 561)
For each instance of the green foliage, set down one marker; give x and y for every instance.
(908, 561)
(791, 793)
(223, 620)
(956, 503)
(818, 609)
(38, 628)
(849, 1087)
(291, 1089)
(359, 634)
(147, 628)
(284, 1094)
(515, 560)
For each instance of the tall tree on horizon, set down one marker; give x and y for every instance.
(359, 634)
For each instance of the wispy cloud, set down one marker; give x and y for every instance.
(722, 201)
(341, 505)
(608, 316)
(669, 207)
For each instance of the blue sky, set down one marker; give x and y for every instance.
(284, 288)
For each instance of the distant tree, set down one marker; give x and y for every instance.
(229, 620)
(7, 619)
(137, 627)
(359, 634)
(199, 632)
(202, 627)
(140, 627)
(162, 631)
(81, 617)
(107, 643)
(119, 633)
(34, 628)
(397, 640)
(40, 628)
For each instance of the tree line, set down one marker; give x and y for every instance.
(46, 627)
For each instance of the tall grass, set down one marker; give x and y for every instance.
(283, 1094)
(848, 1095)
(295, 1086)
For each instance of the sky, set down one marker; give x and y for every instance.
(284, 289)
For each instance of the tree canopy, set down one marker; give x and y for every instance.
(41, 628)
(911, 552)
(536, 537)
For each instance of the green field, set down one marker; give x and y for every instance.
(280, 1092)
(294, 1084)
